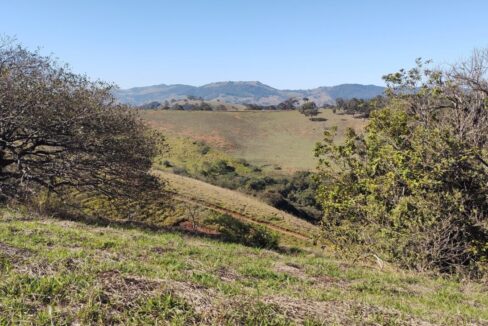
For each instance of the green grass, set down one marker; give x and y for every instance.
(192, 155)
(282, 139)
(55, 272)
(251, 209)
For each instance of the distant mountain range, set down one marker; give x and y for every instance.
(252, 92)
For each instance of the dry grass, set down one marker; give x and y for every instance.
(240, 206)
(283, 139)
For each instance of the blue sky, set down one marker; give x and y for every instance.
(286, 44)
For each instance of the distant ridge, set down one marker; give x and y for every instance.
(253, 92)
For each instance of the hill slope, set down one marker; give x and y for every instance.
(245, 92)
(284, 140)
(55, 272)
(291, 229)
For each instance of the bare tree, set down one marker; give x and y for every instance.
(192, 214)
(455, 99)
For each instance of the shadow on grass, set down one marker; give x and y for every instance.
(235, 231)
(224, 228)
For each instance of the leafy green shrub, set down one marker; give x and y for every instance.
(233, 230)
(413, 188)
(243, 162)
(181, 171)
(202, 147)
(166, 164)
(261, 183)
(256, 185)
(219, 167)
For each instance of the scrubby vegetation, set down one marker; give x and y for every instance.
(293, 193)
(309, 109)
(361, 108)
(413, 189)
(62, 134)
(289, 104)
(191, 103)
(233, 230)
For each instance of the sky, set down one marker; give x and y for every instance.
(286, 44)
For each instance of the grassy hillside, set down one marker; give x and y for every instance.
(290, 229)
(196, 207)
(55, 272)
(283, 140)
(195, 159)
(193, 156)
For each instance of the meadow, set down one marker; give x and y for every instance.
(274, 140)
(58, 272)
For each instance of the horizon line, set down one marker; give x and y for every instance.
(247, 81)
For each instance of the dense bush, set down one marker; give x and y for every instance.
(61, 133)
(289, 104)
(360, 107)
(203, 148)
(299, 191)
(414, 187)
(198, 106)
(233, 230)
(309, 109)
(223, 174)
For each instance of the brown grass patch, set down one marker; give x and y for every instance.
(120, 292)
(283, 138)
(13, 252)
(336, 312)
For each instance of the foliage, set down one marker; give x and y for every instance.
(199, 105)
(236, 231)
(60, 132)
(361, 107)
(309, 109)
(286, 105)
(300, 191)
(414, 187)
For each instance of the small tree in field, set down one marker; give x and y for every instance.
(309, 109)
(60, 132)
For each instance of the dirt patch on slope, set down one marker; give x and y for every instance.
(13, 252)
(342, 313)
